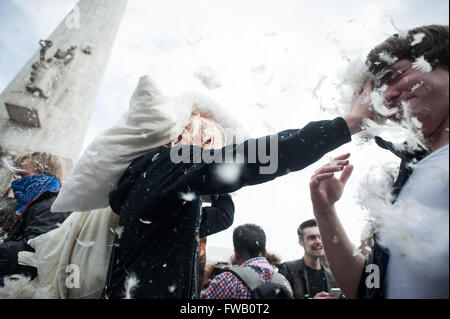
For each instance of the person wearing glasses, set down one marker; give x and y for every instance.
(417, 78)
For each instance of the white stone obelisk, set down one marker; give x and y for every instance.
(47, 106)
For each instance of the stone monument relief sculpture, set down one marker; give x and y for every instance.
(45, 72)
(48, 104)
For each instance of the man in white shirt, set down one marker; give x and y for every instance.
(421, 187)
(425, 194)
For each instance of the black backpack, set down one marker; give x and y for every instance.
(275, 289)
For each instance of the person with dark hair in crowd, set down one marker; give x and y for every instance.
(416, 76)
(274, 260)
(34, 192)
(249, 243)
(308, 277)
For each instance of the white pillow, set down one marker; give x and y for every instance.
(152, 120)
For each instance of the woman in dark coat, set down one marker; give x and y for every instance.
(7, 203)
(34, 193)
(157, 253)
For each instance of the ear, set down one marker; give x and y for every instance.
(301, 243)
(238, 257)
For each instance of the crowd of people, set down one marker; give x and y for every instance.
(160, 249)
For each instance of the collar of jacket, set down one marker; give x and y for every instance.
(405, 168)
(301, 279)
(403, 155)
(29, 188)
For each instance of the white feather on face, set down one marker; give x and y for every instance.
(378, 102)
(405, 134)
(422, 65)
(387, 57)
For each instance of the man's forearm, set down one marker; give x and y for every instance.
(346, 267)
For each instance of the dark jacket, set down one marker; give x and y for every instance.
(380, 255)
(7, 218)
(295, 271)
(35, 220)
(164, 254)
(217, 217)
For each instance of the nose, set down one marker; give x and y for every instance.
(391, 94)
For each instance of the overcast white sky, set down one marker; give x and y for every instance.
(267, 55)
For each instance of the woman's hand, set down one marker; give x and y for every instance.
(325, 188)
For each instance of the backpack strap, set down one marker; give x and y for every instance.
(251, 278)
(277, 278)
(248, 276)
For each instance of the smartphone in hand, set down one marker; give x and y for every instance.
(336, 292)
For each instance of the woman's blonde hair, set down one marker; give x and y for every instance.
(42, 163)
(212, 134)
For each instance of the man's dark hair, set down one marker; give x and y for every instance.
(306, 224)
(249, 241)
(433, 46)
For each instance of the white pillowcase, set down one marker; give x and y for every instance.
(152, 120)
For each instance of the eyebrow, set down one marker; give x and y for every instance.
(390, 72)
